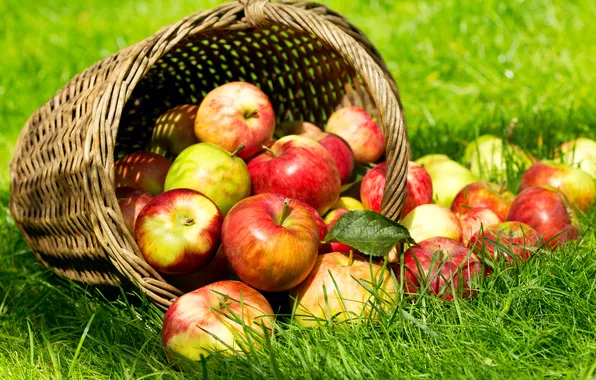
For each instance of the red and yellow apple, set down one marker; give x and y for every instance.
(430, 220)
(373, 187)
(484, 195)
(131, 203)
(145, 171)
(338, 149)
(476, 219)
(174, 131)
(579, 152)
(513, 240)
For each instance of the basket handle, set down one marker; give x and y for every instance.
(255, 11)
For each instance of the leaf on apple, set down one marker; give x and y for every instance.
(368, 231)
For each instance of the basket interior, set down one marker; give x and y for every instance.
(303, 77)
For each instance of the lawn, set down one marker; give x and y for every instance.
(464, 68)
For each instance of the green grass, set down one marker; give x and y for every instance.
(464, 67)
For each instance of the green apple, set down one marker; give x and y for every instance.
(448, 178)
(581, 153)
(431, 158)
(213, 171)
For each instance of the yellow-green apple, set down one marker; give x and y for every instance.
(577, 186)
(142, 170)
(430, 220)
(178, 231)
(580, 152)
(513, 240)
(440, 265)
(476, 219)
(131, 202)
(213, 171)
(338, 149)
(299, 168)
(270, 241)
(431, 159)
(348, 203)
(216, 270)
(362, 133)
(339, 289)
(489, 157)
(234, 114)
(547, 211)
(448, 178)
(295, 128)
(483, 194)
(174, 131)
(217, 318)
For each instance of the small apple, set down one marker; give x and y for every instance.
(295, 128)
(426, 221)
(547, 211)
(475, 219)
(483, 194)
(206, 320)
(448, 178)
(373, 187)
(131, 205)
(518, 239)
(575, 184)
(237, 113)
(145, 171)
(354, 125)
(297, 168)
(580, 152)
(333, 216)
(338, 289)
(271, 242)
(178, 231)
(339, 150)
(174, 131)
(213, 171)
(440, 265)
(348, 203)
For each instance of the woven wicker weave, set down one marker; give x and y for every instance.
(308, 59)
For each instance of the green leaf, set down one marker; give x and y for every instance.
(368, 231)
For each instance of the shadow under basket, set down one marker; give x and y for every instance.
(308, 59)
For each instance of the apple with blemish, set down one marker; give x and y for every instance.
(237, 113)
(514, 241)
(178, 231)
(579, 152)
(547, 211)
(476, 219)
(578, 186)
(271, 242)
(337, 289)
(131, 202)
(430, 220)
(361, 132)
(298, 168)
(143, 170)
(338, 149)
(206, 320)
(174, 131)
(295, 128)
(220, 175)
(483, 195)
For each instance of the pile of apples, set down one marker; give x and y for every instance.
(226, 205)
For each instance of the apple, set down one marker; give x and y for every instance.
(372, 187)
(178, 231)
(271, 242)
(206, 320)
(448, 178)
(333, 216)
(547, 211)
(485, 195)
(348, 203)
(362, 133)
(131, 204)
(338, 290)
(430, 159)
(174, 131)
(295, 128)
(339, 150)
(216, 270)
(575, 184)
(475, 219)
(439, 265)
(213, 171)
(297, 168)
(143, 170)
(426, 221)
(419, 187)
(321, 225)
(518, 239)
(488, 157)
(580, 152)
(237, 113)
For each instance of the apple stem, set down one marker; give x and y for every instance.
(240, 147)
(284, 211)
(269, 150)
(251, 114)
(188, 221)
(351, 258)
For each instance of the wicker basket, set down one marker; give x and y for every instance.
(308, 59)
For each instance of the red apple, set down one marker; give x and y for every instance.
(547, 211)
(475, 219)
(297, 168)
(484, 195)
(295, 128)
(427, 221)
(321, 225)
(578, 186)
(335, 246)
(206, 320)
(338, 289)
(178, 231)
(362, 133)
(142, 170)
(438, 265)
(174, 130)
(131, 205)
(519, 240)
(233, 114)
(333, 216)
(338, 149)
(419, 187)
(271, 242)
(373, 186)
